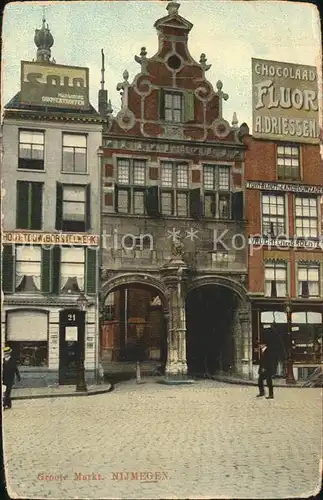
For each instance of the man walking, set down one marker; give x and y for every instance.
(265, 371)
(10, 369)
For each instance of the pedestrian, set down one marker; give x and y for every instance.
(10, 369)
(265, 371)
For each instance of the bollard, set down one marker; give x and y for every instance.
(138, 375)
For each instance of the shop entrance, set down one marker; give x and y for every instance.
(210, 317)
(133, 316)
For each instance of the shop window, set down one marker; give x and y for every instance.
(74, 153)
(306, 217)
(275, 279)
(73, 207)
(28, 269)
(31, 149)
(288, 162)
(31, 354)
(307, 334)
(308, 277)
(273, 215)
(130, 186)
(29, 205)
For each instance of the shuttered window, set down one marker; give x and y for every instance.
(29, 205)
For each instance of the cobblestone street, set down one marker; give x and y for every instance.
(156, 441)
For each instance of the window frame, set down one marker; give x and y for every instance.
(33, 161)
(283, 157)
(39, 263)
(67, 262)
(275, 265)
(215, 192)
(173, 188)
(131, 187)
(275, 216)
(32, 220)
(71, 134)
(67, 224)
(173, 109)
(308, 266)
(303, 218)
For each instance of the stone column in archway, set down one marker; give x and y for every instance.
(245, 344)
(174, 275)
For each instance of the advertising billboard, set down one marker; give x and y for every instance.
(54, 85)
(285, 102)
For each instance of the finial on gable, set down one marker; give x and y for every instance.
(173, 7)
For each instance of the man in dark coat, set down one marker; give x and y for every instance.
(266, 371)
(10, 369)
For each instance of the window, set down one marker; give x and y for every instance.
(217, 196)
(109, 307)
(174, 188)
(173, 107)
(74, 153)
(308, 277)
(73, 205)
(273, 215)
(31, 149)
(28, 269)
(29, 205)
(131, 181)
(72, 270)
(288, 162)
(275, 279)
(306, 217)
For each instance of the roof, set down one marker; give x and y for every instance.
(15, 103)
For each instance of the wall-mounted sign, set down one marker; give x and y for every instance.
(54, 85)
(71, 333)
(280, 186)
(285, 242)
(23, 237)
(285, 102)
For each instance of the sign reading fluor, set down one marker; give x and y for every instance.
(54, 85)
(285, 101)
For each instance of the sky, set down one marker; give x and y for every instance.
(230, 33)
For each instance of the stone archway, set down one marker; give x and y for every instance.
(134, 310)
(218, 334)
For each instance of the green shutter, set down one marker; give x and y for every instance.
(161, 104)
(22, 221)
(36, 205)
(189, 114)
(91, 270)
(59, 206)
(8, 258)
(56, 264)
(46, 274)
(88, 207)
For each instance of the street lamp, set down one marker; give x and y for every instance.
(82, 303)
(290, 379)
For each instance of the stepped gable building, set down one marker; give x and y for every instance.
(51, 224)
(284, 189)
(173, 177)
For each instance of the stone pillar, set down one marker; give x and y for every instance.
(245, 340)
(174, 275)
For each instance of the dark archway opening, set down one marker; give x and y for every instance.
(210, 316)
(134, 326)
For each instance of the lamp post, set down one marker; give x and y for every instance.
(290, 379)
(82, 303)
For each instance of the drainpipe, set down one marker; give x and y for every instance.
(100, 154)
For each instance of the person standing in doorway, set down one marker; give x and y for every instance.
(265, 371)
(10, 369)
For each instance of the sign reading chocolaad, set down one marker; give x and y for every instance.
(54, 85)
(22, 238)
(285, 101)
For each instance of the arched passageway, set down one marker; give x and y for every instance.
(211, 321)
(133, 314)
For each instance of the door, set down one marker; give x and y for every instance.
(71, 344)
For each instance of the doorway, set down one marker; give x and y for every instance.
(71, 344)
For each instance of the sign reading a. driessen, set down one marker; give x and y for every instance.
(54, 85)
(285, 101)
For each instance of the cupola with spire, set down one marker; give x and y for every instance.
(44, 41)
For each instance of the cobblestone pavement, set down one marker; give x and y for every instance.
(156, 441)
